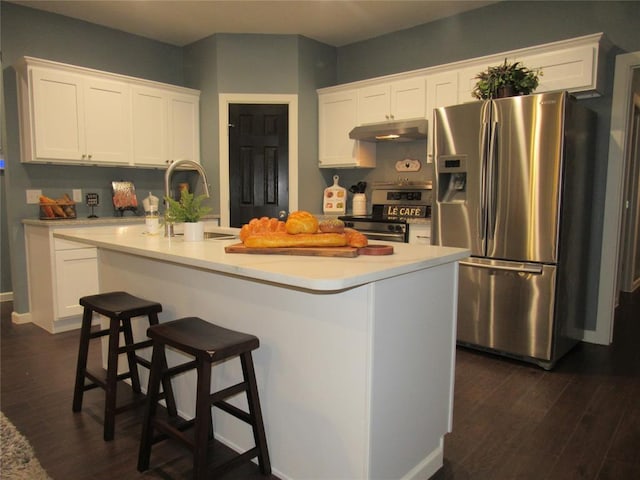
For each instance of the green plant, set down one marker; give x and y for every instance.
(517, 77)
(188, 209)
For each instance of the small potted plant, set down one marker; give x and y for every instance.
(506, 80)
(188, 210)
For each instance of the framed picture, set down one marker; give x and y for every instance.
(124, 197)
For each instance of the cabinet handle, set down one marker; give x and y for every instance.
(83, 156)
(89, 156)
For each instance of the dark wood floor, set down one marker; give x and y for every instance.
(511, 420)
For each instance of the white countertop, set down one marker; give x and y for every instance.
(311, 273)
(93, 222)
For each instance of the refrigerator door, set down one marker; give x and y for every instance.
(523, 190)
(507, 306)
(461, 134)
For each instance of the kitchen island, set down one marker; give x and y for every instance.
(356, 361)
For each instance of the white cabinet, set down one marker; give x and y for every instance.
(399, 100)
(337, 117)
(73, 118)
(442, 91)
(76, 115)
(574, 65)
(59, 272)
(165, 126)
(420, 233)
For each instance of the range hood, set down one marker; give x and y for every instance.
(402, 131)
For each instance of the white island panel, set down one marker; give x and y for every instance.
(356, 358)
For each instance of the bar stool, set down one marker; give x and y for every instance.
(208, 343)
(120, 308)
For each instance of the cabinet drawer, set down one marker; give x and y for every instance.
(61, 244)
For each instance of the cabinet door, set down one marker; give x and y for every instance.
(374, 104)
(408, 99)
(337, 117)
(184, 130)
(57, 115)
(76, 276)
(571, 69)
(149, 126)
(107, 120)
(420, 234)
(442, 91)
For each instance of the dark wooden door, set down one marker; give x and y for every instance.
(258, 161)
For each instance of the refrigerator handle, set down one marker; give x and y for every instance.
(484, 137)
(491, 181)
(533, 268)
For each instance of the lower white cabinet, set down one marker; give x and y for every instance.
(420, 233)
(59, 273)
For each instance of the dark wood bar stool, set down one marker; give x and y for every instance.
(207, 343)
(120, 308)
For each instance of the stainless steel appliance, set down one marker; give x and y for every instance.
(391, 205)
(512, 183)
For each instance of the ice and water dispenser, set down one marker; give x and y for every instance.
(452, 178)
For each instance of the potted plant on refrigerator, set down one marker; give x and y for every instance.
(506, 80)
(188, 210)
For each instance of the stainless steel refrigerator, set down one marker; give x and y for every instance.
(512, 182)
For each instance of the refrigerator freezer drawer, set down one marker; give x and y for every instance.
(507, 307)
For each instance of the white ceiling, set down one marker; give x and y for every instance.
(180, 22)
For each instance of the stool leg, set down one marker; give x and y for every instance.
(256, 412)
(153, 391)
(169, 397)
(83, 353)
(203, 420)
(112, 379)
(131, 355)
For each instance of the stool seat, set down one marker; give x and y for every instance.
(120, 304)
(208, 344)
(196, 337)
(120, 308)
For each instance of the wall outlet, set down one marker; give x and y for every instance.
(77, 195)
(33, 196)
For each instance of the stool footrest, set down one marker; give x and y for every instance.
(235, 411)
(234, 462)
(175, 431)
(134, 346)
(170, 372)
(228, 392)
(99, 376)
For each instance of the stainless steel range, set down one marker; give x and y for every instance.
(391, 205)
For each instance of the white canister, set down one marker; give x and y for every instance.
(359, 204)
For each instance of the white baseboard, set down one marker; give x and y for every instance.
(21, 317)
(6, 296)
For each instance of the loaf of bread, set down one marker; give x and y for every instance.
(331, 225)
(301, 222)
(261, 225)
(280, 240)
(355, 238)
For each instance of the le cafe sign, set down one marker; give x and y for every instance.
(412, 211)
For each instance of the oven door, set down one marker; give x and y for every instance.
(399, 237)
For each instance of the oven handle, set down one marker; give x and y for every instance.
(383, 235)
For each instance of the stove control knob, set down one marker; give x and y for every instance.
(348, 224)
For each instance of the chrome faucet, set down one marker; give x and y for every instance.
(168, 224)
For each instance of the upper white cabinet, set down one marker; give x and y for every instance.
(75, 118)
(75, 115)
(574, 65)
(337, 117)
(165, 126)
(442, 91)
(400, 100)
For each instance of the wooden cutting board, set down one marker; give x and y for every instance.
(305, 251)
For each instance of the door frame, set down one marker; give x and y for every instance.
(224, 100)
(613, 207)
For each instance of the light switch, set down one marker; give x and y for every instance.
(33, 196)
(77, 195)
